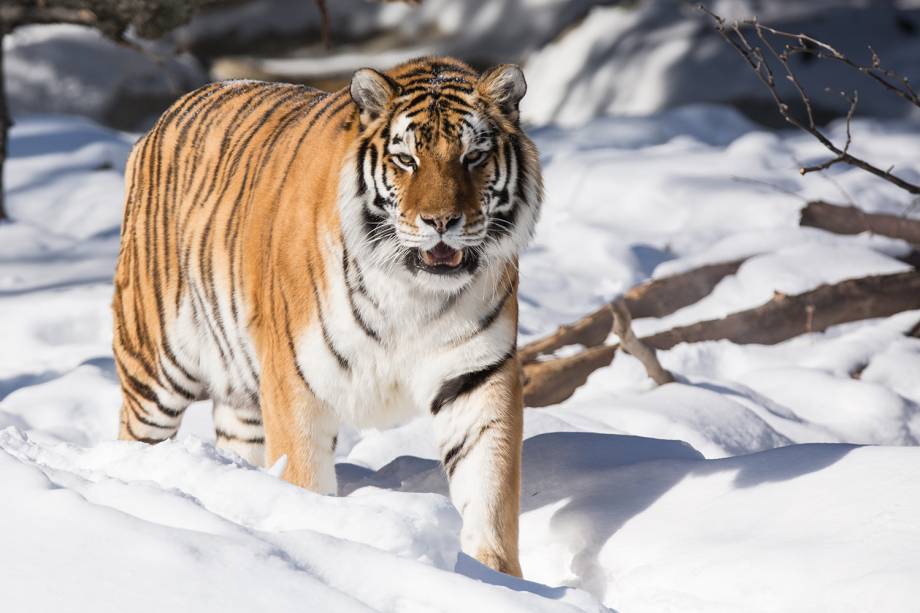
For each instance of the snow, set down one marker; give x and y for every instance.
(741, 487)
(478, 30)
(63, 68)
(642, 57)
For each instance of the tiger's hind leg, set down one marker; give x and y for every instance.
(151, 408)
(239, 429)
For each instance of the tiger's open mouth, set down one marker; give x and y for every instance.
(442, 259)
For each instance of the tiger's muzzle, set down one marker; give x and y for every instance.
(442, 259)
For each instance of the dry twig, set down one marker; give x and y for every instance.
(622, 325)
(756, 55)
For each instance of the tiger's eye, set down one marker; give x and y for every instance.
(406, 160)
(473, 157)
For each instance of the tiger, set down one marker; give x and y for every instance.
(308, 259)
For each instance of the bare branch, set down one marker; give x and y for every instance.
(324, 20)
(622, 326)
(654, 298)
(853, 220)
(783, 317)
(801, 43)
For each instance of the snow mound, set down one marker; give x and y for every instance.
(183, 525)
(783, 530)
(649, 525)
(64, 68)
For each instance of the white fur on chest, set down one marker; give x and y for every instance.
(420, 344)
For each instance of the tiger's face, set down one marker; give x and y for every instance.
(448, 182)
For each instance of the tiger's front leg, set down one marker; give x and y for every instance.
(300, 426)
(478, 425)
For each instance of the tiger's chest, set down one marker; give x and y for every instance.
(378, 354)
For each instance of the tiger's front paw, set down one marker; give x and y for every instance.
(507, 563)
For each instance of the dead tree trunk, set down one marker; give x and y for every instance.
(553, 381)
(852, 220)
(4, 126)
(783, 317)
(655, 298)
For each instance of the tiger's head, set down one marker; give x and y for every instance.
(448, 183)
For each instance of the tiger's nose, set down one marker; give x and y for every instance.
(441, 223)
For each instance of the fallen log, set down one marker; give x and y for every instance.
(553, 381)
(852, 220)
(661, 297)
(654, 298)
(915, 331)
(784, 317)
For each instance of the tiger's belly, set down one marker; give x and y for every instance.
(377, 389)
(373, 385)
(210, 335)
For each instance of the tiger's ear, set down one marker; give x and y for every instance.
(505, 86)
(372, 91)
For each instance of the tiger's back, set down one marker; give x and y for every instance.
(196, 234)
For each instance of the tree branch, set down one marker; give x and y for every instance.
(654, 298)
(852, 220)
(754, 56)
(635, 347)
(780, 319)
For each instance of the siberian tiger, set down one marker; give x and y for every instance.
(303, 258)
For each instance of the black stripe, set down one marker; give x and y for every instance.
(343, 363)
(141, 439)
(179, 389)
(223, 344)
(466, 383)
(362, 288)
(255, 440)
(359, 171)
(426, 85)
(486, 322)
(459, 452)
(359, 319)
(250, 421)
(147, 393)
(435, 68)
(141, 389)
(451, 454)
(135, 407)
(290, 341)
(171, 355)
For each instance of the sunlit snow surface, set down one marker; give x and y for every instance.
(712, 494)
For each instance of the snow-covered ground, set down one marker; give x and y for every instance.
(741, 488)
(650, 55)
